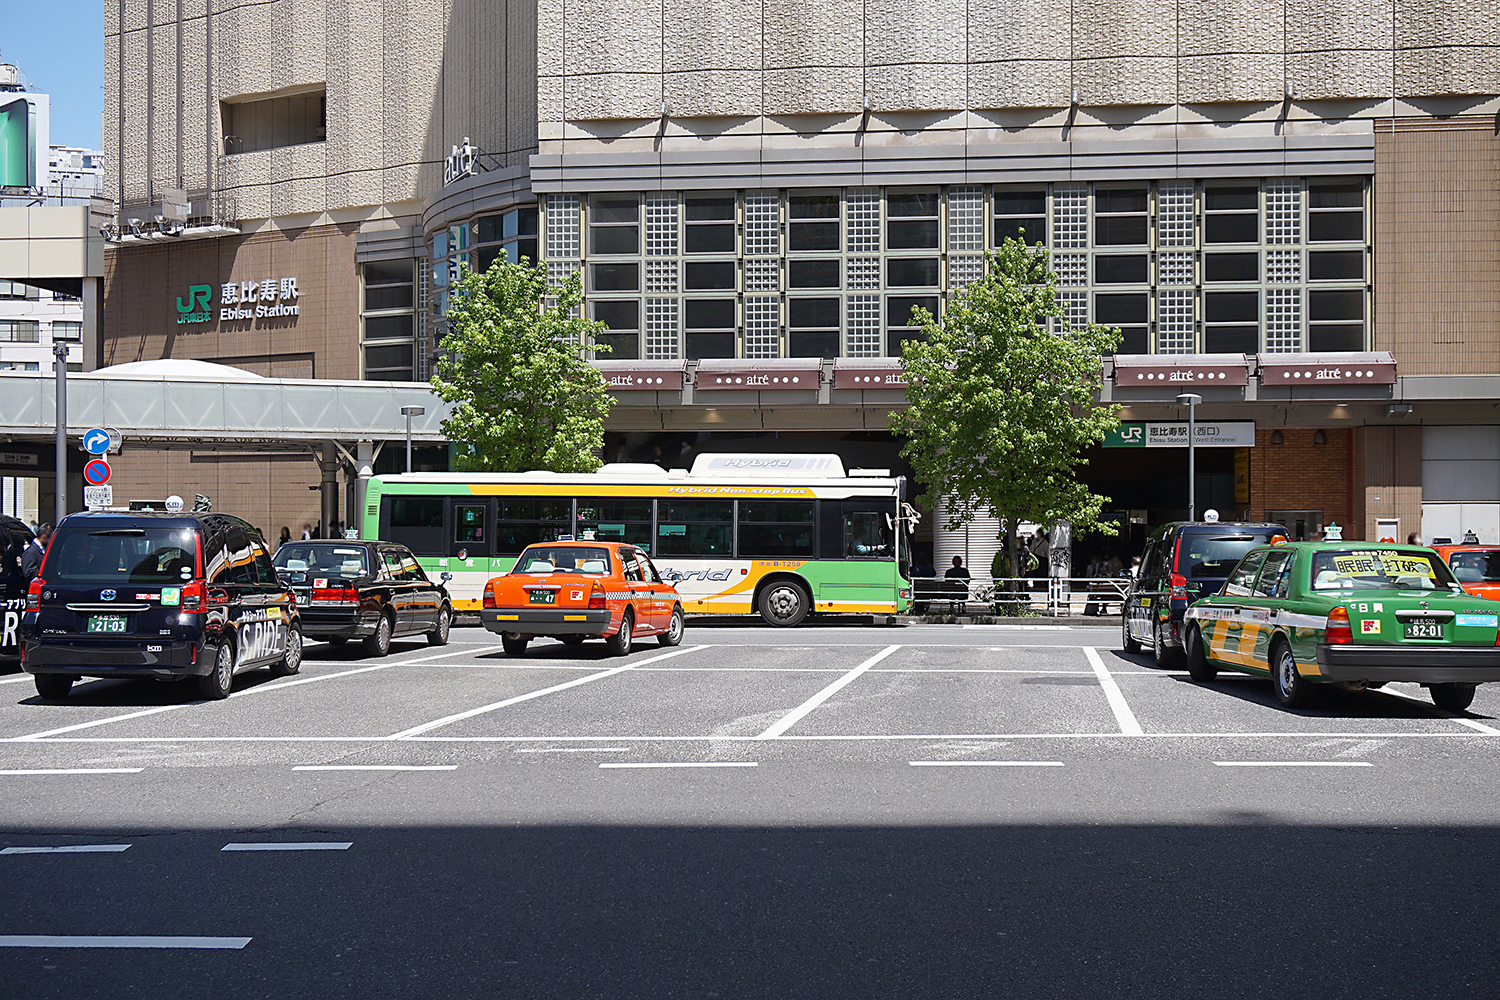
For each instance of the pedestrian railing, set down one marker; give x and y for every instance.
(1020, 596)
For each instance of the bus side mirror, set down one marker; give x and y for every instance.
(445, 576)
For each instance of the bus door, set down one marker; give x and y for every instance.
(471, 528)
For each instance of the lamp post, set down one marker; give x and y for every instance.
(60, 353)
(408, 412)
(1191, 401)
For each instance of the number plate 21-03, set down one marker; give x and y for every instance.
(107, 623)
(1422, 628)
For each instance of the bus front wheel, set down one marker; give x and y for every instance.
(784, 603)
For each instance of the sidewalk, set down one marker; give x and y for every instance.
(1082, 621)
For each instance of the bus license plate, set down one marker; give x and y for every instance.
(544, 597)
(107, 623)
(1422, 629)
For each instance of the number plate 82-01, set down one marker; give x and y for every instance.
(1422, 628)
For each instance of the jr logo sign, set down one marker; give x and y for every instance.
(195, 310)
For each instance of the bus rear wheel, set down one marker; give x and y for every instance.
(784, 603)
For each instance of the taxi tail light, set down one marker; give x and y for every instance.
(1179, 587)
(489, 594)
(596, 599)
(34, 594)
(1338, 632)
(192, 596)
(335, 595)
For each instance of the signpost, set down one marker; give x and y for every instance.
(95, 497)
(96, 472)
(96, 441)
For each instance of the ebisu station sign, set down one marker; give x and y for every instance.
(269, 298)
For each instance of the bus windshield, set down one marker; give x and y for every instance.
(589, 559)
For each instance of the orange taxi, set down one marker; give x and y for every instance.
(577, 590)
(1476, 567)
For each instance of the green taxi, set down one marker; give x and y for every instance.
(1354, 613)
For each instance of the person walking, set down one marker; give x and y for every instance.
(31, 557)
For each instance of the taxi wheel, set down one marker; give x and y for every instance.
(291, 661)
(1199, 667)
(215, 687)
(1127, 642)
(1292, 690)
(439, 635)
(53, 687)
(514, 645)
(1452, 697)
(379, 644)
(1167, 656)
(673, 634)
(784, 604)
(619, 643)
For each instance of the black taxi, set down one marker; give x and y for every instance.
(160, 595)
(373, 591)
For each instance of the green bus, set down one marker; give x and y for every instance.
(778, 535)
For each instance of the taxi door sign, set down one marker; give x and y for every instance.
(96, 472)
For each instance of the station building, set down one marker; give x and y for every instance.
(1292, 213)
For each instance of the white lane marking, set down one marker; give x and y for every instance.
(1292, 763)
(316, 845)
(78, 941)
(15, 680)
(238, 694)
(1023, 628)
(797, 714)
(70, 849)
(1441, 713)
(406, 734)
(1117, 704)
(577, 750)
(708, 763)
(375, 767)
(73, 770)
(985, 763)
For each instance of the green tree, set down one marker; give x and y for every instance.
(1002, 405)
(525, 397)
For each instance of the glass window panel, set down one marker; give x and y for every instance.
(1115, 201)
(813, 206)
(1031, 231)
(606, 209)
(1112, 269)
(1336, 227)
(911, 272)
(813, 312)
(710, 274)
(709, 238)
(388, 327)
(1336, 265)
(800, 511)
(1336, 337)
(1231, 339)
(388, 356)
(618, 314)
(1231, 228)
(524, 249)
(1340, 304)
(813, 235)
(898, 308)
(1231, 267)
(812, 343)
(1119, 230)
(719, 208)
(907, 204)
(416, 512)
(910, 234)
(385, 297)
(389, 272)
(708, 314)
(813, 273)
(488, 229)
(1336, 194)
(709, 345)
(623, 346)
(1231, 307)
(615, 239)
(1220, 198)
(1118, 309)
(1010, 202)
(616, 277)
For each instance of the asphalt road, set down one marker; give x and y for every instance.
(832, 811)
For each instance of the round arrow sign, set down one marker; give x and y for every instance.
(96, 441)
(96, 471)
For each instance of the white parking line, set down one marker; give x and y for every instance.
(375, 767)
(15, 680)
(1117, 704)
(471, 713)
(316, 845)
(66, 941)
(797, 714)
(70, 849)
(73, 770)
(1292, 763)
(985, 763)
(577, 750)
(1478, 727)
(709, 763)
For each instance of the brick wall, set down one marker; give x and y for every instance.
(1301, 475)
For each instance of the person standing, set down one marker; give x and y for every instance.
(286, 536)
(31, 557)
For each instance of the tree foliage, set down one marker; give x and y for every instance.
(1002, 406)
(524, 395)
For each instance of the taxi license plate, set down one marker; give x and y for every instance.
(1422, 629)
(107, 623)
(544, 597)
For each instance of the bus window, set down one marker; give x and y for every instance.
(525, 521)
(414, 521)
(866, 536)
(695, 528)
(776, 528)
(616, 520)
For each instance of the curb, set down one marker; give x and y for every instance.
(1086, 621)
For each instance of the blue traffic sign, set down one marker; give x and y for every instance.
(96, 441)
(96, 472)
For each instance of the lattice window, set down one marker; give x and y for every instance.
(1283, 267)
(763, 275)
(864, 272)
(1070, 216)
(661, 226)
(1174, 321)
(964, 268)
(966, 219)
(762, 326)
(1174, 267)
(862, 339)
(424, 333)
(1284, 212)
(863, 208)
(1075, 307)
(562, 226)
(1283, 320)
(661, 275)
(1174, 214)
(558, 271)
(1072, 268)
(762, 224)
(661, 329)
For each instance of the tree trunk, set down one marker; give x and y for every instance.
(1013, 547)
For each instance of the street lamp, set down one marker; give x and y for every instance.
(1191, 401)
(60, 352)
(408, 412)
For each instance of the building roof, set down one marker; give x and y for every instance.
(182, 368)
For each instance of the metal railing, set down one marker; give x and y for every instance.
(1020, 596)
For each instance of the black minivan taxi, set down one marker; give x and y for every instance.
(166, 596)
(1183, 561)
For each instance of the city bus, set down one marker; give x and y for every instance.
(781, 536)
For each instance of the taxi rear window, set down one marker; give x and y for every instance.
(154, 554)
(1476, 566)
(1379, 569)
(328, 558)
(588, 559)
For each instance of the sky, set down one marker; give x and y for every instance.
(59, 45)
